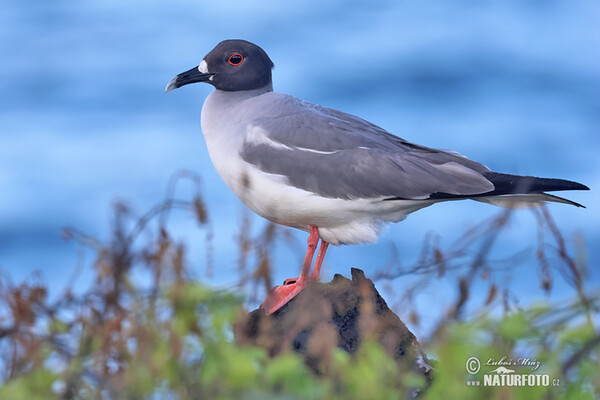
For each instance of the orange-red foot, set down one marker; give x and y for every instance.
(281, 295)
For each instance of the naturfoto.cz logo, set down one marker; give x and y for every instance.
(503, 372)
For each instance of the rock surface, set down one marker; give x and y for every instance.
(340, 313)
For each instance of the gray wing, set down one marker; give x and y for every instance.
(338, 155)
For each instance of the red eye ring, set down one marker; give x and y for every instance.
(235, 59)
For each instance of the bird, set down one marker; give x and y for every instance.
(334, 175)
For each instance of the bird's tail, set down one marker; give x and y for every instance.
(524, 200)
(515, 191)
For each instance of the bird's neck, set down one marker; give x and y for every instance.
(242, 94)
(223, 108)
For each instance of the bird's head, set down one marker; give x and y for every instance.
(232, 65)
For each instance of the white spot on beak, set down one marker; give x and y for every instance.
(203, 68)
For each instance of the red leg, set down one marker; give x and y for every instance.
(291, 287)
(313, 240)
(316, 272)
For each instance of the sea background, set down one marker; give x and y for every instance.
(85, 123)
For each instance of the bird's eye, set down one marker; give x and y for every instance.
(236, 59)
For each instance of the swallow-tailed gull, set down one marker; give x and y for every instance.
(329, 173)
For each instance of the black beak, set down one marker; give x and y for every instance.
(191, 76)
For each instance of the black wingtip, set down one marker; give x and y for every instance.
(569, 185)
(516, 184)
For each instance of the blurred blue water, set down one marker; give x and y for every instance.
(84, 121)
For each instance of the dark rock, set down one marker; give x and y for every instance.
(338, 313)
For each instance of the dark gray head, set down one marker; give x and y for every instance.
(233, 65)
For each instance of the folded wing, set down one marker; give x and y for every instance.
(338, 155)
